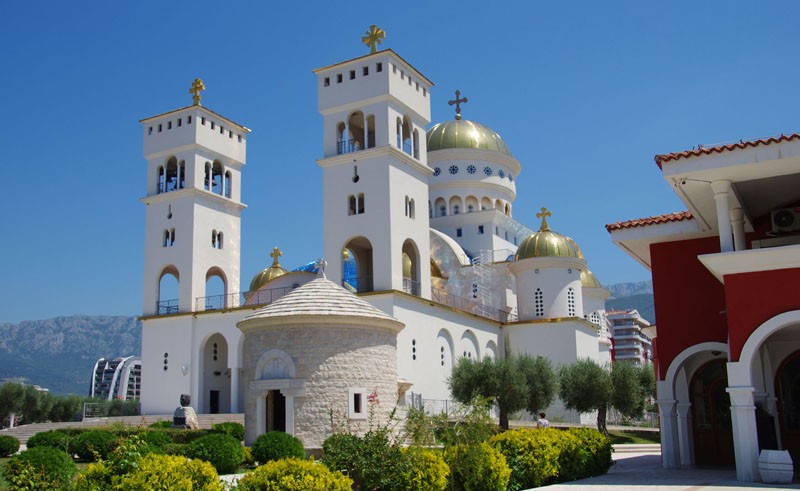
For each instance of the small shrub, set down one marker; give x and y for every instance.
(249, 460)
(531, 454)
(185, 436)
(163, 424)
(478, 467)
(93, 445)
(155, 439)
(222, 451)
(8, 445)
(598, 447)
(423, 469)
(175, 449)
(171, 472)
(231, 428)
(96, 477)
(276, 445)
(39, 468)
(53, 439)
(340, 452)
(372, 462)
(294, 475)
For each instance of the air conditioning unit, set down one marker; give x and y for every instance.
(786, 220)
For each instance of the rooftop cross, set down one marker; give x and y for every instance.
(197, 87)
(458, 102)
(543, 215)
(374, 37)
(275, 254)
(321, 264)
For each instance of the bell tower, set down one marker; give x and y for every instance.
(375, 173)
(193, 204)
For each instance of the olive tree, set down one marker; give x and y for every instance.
(586, 387)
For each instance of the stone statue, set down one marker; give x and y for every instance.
(185, 418)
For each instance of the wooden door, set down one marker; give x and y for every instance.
(787, 387)
(711, 416)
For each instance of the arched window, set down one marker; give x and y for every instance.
(165, 243)
(407, 144)
(216, 290)
(341, 138)
(171, 179)
(486, 203)
(217, 177)
(161, 180)
(182, 175)
(416, 144)
(168, 291)
(369, 132)
(441, 207)
(172, 237)
(455, 205)
(351, 205)
(207, 178)
(213, 239)
(399, 131)
(571, 302)
(357, 267)
(538, 303)
(220, 242)
(411, 211)
(227, 184)
(360, 203)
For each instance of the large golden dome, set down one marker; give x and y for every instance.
(268, 274)
(547, 243)
(460, 133)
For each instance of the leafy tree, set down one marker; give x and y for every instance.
(585, 387)
(10, 399)
(542, 382)
(627, 393)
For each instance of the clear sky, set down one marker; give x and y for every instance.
(585, 93)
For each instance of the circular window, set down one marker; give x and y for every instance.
(471, 169)
(487, 170)
(437, 171)
(501, 173)
(453, 169)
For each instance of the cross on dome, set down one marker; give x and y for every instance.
(374, 36)
(321, 264)
(196, 88)
(275, 254)
(543, 215)
(458, 102)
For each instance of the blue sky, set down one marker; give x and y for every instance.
(585, 93)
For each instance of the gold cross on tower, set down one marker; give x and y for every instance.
(276, 253)
(197, 87)
(458, 102)
(543, 215)
(374, 37)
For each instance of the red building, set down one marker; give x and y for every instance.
(726, 282)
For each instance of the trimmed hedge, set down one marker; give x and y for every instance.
(295, 475)
(52, 438)
(423, 469)
(276, 445)
(231, 428)
(39, 468)
(171, 472)
(222, 451)
(175, 449)
(478, 467)
(8, 445)
(155, 439)
(162, 425)
(93, 445)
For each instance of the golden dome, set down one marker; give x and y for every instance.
(546, 243)
(407, 264)
(268, 274)
(461, 133)
(588, 280)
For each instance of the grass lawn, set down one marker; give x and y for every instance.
(641, 437)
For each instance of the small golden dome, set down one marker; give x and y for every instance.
(268, 274)
(546, 243)
(461, 133)
(588, 280)
(406, 266)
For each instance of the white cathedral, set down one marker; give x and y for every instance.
(424, 264)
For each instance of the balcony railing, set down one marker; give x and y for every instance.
(165, 307)
(471, 306)
(411, 287)
(358, 284)
(233, 300)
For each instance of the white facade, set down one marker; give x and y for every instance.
(631, 344)
(456, 294)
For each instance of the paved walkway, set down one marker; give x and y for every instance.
(642, 471)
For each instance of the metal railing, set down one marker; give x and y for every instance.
(468, 305)
(411, 287)
(358, 284)
(440, 406)
(233, 300)
(348, 146)
(165, 307)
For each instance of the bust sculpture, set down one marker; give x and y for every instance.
(185, 417)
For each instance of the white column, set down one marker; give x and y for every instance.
(745, 436)
(261, 414)
(737, 222)
(685, 440)
(669, 434)
(721, 190)
(234, 390)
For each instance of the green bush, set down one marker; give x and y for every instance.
(222, 451)
(294, 475)
(154, 438)
(531, 454)
(8, 445)
(39, 468)
(93, 445)
(423, 469)
(170, 472)
(175, 449)
(276, 445)
(185, 436)
(598, 447)
(54, 439)
(249, 460)
(231, 428)
(372, 462)
(163, 424)
(478, 467)
(340, 452)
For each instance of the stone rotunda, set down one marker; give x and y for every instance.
(317, 357)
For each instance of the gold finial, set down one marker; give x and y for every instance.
(543, 215)
(345, 254)
(458, 102)
(276, 253)
(374, 37)
(197, 87)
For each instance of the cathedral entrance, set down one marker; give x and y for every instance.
(787, 387)
(276, 411)
(711, 416)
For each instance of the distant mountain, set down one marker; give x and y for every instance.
(629, 289)
(59, 353)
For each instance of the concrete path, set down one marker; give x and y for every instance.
(642, 471)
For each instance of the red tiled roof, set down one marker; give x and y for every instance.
(741, 144)
(643, 222)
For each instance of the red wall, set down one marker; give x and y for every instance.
(688, 298)
(754, 298)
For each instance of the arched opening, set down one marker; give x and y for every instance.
(471, 204)
(161, 184)
(168, 291)
(216, 376)
(358, 278)
(469, 346)
(216, 177)
(498, 205)
(399, 132)
(486, 203)
(355, 141)
(342, 138)
(216, 289)
(787, 389)
(407, 143)
(416, 143)
(508, 209)
(444, 353)
(430, 209)
(228, 184)
(370, 132)
(411, 268)
(207, 177)
(711, 415)
(490, 351)
(441, 207)
(172, 174)
(220, 240)
(456, 205)
(182, 174)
